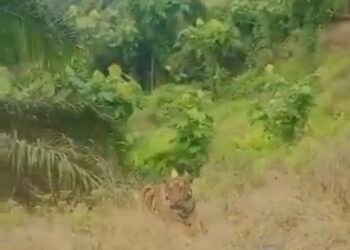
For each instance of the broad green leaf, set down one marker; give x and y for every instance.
(85, 23)
(119, 112)
(98, 77)
(94, 14)
(115, 70)
(199, 22)
(107, 96)
(124, 90)
(69, 71)
(306, 89)
(269, 69)
(196, 115)
(73, 11)
(49, 89)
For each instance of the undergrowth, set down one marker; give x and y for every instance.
(240, 146)
(219, 93)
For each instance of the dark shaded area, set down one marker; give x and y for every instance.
(48, 121)
(34, 119)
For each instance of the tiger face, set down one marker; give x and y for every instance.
(173, 201)
(178, 193)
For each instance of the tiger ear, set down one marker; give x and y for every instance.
(188, 176)
(174, 173)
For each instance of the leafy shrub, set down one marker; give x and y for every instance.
(192, 141)
(286, 113)
(67, 103)
(117, 97)
(163, 100)
(202, 50)
(189, 147)
(194, 131)
(119, 94)
(262, 24)
(114, 97)
(35, 83)
(250, 84)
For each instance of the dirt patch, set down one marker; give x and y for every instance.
(337, 35)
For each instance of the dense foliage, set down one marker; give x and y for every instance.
(179, 40)
(286, 112)
(33, 31)
(193, 131)
(105, 53)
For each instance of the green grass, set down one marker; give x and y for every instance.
(152, 143)
(240, 147)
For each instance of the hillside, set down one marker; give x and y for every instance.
(253, 194)
(239, 146)
(250, 100)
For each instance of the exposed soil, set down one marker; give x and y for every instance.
(337, 35)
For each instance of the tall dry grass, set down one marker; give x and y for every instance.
(286, 212)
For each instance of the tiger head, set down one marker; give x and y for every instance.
(178, 193)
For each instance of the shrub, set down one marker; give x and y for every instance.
(193, 131)
(285, 115)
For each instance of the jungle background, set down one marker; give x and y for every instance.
(247, 97)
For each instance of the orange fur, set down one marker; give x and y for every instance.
(173, 202)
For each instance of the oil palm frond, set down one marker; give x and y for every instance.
(55, 165)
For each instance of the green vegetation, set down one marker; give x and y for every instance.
(137, 88)
(285, 115)
(193, 131)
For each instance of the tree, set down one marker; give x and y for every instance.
(139, 35)
(202, 50)
(32, 32)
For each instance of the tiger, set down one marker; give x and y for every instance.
(173, 201)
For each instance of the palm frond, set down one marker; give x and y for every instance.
(30, 31)
(53, 105)
(50, 19)
(55, 165)
(81, 121)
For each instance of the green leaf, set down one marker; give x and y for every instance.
(85, 23)
(106, 96)
(115, 70)
(73, 11)
(269, 69)
(196, 115)
(306, 89)
(199, 22)
(5, 81)
(49, 89)
(119, 112)
(69, 71)
(98, 77)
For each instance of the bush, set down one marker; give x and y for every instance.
(285, 115)
(86, 112)
(203, 51)
(193, 131)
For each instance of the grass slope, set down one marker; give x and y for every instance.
(239, 146)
